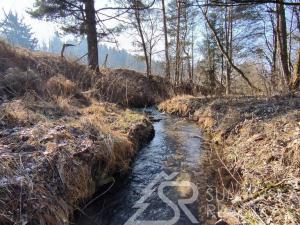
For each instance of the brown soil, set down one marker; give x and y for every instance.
(255, 154)
(58, 144)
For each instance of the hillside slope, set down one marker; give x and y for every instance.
(58, 143)
(122, 86)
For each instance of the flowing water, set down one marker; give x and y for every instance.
(174, 151)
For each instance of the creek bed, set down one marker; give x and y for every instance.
(175, 150)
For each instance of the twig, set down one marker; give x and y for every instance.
(98, 196)
(255, 213)
(225, 167)
(264, 190)
(80, 58)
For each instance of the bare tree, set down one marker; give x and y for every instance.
(296, 80)
(168, 66)
(136, 7)
(91, 32)
(282, 40)
(178, 43)
(226, 55)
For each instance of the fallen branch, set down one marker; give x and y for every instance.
(63, 49)
(103, 193)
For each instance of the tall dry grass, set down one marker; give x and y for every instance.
(58, 144)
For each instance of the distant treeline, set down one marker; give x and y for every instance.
(15, 31)
(116, 58)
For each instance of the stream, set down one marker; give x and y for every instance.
(161, 187)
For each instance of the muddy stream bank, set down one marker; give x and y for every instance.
(161, 187)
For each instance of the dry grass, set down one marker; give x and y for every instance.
(256, 159)
(61, 156)
(183, 105)
(121, 86)
(45, 65)
(130, 88)
(57, 143)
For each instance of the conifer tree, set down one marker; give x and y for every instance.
(16, 32)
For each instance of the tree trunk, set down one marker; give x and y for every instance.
(297, 17)
(227, 49)
(139, 28)
(296, 79)
(181, 72)
(168, 67)
(192, 63)
(150, 60)
(91, 32)
(222, 69)
(177, 60)
(274, 54)
(282, 40)
(230, 48)
(228, 80)
(184, 47)
(189, 69)
(105, 61)
(290, 41)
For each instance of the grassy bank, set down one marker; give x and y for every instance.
(23, 70)
(255, 155)
(59, 141)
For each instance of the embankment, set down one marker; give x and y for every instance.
(58, 142)
(254, 156)
(131, 88)
(23, 70)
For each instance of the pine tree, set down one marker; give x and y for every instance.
(77, 17)
(16, 32)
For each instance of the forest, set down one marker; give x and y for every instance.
(150, 112)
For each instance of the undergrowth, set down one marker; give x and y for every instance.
(255, 156)
(58, 141)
